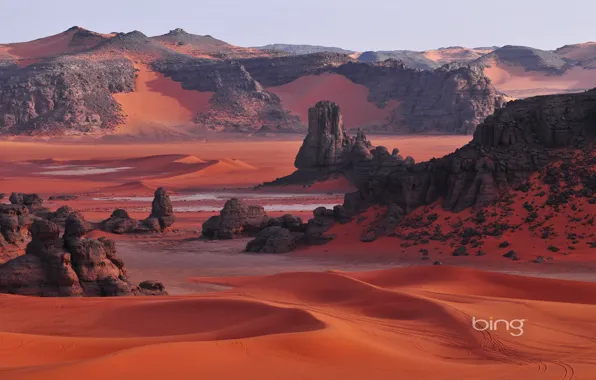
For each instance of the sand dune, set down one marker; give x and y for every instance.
(301, 94)
(136, 188)
(407, 322)
(33, 51)
(159, 106)
(190, 160)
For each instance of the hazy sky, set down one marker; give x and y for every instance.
(354, 25)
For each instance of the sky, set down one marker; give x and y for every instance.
(354, 25)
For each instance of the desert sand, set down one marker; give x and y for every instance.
(328, 312)
(159, 106)
(399, 323)
(299, 95)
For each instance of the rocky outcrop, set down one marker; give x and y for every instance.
(63, 96)
(235, 219)
(162, 210)
(68, 266)
(328, 150)
(15, 226)
(452, 99)
(161, 218)
(239, 102)
(326, 145)
(506, 149)
(274, 239)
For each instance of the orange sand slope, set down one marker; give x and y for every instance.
(301, 94)
(30, 52)
(179, 165)
(411, 323)
(516, 82)
(159, 104)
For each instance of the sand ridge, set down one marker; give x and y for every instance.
(159, 106)
(415, 322)
(298, 96)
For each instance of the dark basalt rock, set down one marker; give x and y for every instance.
(162, 209)
(161, 218)
(63, 96)
(235, 219)
(273, 239)
(68, 266)
(15, 226)
(507, 148)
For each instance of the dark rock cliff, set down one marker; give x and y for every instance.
(507, 148)
(63, 96)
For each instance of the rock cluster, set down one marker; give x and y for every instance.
(15, 225)
(271, 235)
(235, 219)
(67, 266)
(161, 218)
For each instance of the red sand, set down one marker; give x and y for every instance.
(33, 51)
(159, 105)
(301, 94)
(203, 164)
(414, 322)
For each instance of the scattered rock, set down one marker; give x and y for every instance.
(273, 239)
(161, 218)
(511, 255)
(504, 244)
(235, 219)
(461, 251)
(63, 197)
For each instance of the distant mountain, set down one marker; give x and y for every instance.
(83, 82)
(529, 58)
(304, 49)
(413, 59)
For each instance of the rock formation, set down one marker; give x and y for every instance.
(507, 148)
(63, 96)
(162, 209)
(15, 226)
(327, 150)
(235, 219)
(69, 266)
(161, 218)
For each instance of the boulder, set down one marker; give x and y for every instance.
(235, 219)
(15, 225)
(161, 218)
(162, 209)
(273, 239)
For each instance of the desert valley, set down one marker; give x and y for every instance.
(178, 206)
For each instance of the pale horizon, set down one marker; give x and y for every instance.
(382, 25)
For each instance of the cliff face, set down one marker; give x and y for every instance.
(63, 96)
(239, 102)
(452, 99)
(507, 148)
(69, 90)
